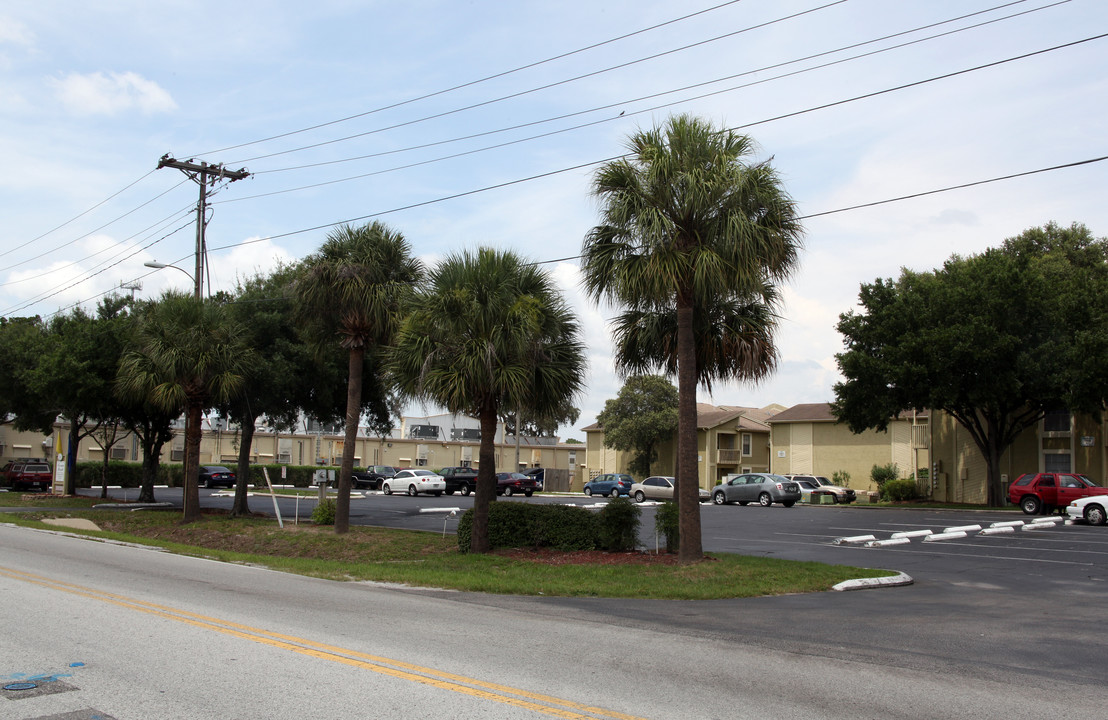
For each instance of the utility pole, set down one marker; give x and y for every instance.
(205, 175)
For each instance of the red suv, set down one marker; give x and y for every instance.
(1042, 492)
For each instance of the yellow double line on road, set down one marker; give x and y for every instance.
(517, 697)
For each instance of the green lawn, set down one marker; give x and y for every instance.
(430, 560)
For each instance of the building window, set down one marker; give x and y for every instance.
(1056, 421)
(119, 453)
(1057, 462)
(748, 444)
(572, 459)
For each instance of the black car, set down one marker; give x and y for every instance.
(214, 475)
(539, 475)
(372, 476)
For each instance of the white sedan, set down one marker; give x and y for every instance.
(414, 482)
(1092, 509)
(659, 487)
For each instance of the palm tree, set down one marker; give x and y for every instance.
(355, 287)
(687, 223)
(489, 336)
(187, 355)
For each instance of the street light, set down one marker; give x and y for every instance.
(159, 266)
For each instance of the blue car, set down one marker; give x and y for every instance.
(610, 484)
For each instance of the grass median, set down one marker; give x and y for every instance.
(425, 559)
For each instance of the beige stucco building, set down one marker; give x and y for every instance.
(1060, 442)
(729, 439)
(808, 439)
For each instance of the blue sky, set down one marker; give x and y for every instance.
(92, 94)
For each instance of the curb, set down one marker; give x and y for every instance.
(869, 583)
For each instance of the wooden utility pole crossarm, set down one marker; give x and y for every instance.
(205, 175)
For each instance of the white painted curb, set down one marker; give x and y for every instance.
(853, 539)
(890, 541)
(911, 533)
(997, 530)
(963, 528)
(945, 536)
(869, 583)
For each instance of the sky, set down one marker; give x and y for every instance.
(478, 123)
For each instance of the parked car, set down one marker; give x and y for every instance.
(1092, 509)
(371, 477)
(23, 475)
(610, 484)
(824, 486)
(513, 483)
(660, 487)
(461, 479)
(414, 482)
(762, 488)
(538, 475)
(1043, 492)
(213, 475)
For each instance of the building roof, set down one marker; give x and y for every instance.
(818, 412)
(710, 416)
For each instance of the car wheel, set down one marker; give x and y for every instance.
(588, 492)
(639, 496)
(614, 493)
(208, 483)
(765, 500)
(466, 490)
(412, 490)
(1095, 514)
(1030, 505)
(719, 499)
(509, 492)
(528, 493)
(788, 503)
(386, 488)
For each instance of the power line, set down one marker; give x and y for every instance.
(678, 102)
(472, 82)
(529, 91)
(630, 101)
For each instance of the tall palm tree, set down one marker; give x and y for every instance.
(355, 287)
(489, 336)
(687, 222)
(187, 356)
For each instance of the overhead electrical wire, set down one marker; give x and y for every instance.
(471, 82)
(78, 216)
(644, 110)
(622, 103)
(576, 167)
(529, 91)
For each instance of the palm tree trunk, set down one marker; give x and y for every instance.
(486, 483)
(690, 549)
(193, 432)
(353, 415)
(241, 505)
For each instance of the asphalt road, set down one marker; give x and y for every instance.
(997, 626)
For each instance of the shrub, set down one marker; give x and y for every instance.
(666, 522)
(619, 525)
(324, 513)
(899, 490)
(881, 474)
(841, 478)
(519, 525)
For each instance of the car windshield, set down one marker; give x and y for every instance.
(824, 481)
(1086, 481)
(778, 478)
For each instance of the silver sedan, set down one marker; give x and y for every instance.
(659, 487)
(762, 488)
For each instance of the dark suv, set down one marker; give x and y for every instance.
(372, 476)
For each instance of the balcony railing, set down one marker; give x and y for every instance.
(729, 456)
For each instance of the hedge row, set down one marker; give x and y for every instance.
(562, 527)
(129, 474)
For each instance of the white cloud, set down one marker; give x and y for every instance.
(13, 32)
(111, 94)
